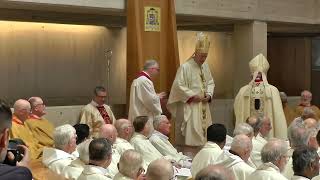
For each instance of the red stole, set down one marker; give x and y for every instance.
(142, 73)
(104, 114)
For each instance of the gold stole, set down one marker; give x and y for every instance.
(203, 106)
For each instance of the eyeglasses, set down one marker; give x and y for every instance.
(174, 177)
(141, 171)
(156, 68)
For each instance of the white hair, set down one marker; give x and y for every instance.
(298, 135)
(62, 135)
(243, 128)
(273, 150)
(157, 120)
(130, 163)
(83, 150)
(149, 63)
(242, 142)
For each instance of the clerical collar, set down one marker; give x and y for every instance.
(33, 116)
(17, 120)
(93, 103)
(304, 105)
(234, 153)
(296, 174)
(103, 170)
(145, 74)
(162, 136)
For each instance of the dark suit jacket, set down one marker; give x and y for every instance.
(14, 173)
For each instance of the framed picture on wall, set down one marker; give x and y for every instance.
(315, 66)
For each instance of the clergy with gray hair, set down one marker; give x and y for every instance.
(130, 166)
(58, 158)
(262, 127)
(305, 163)
(160, 140)
(274, 158)
(237, 157)
(215, 172)
(299, 136)
(143, 98)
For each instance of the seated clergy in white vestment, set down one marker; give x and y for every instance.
(305, 161)
(58, 158)
(236, 158)
(109, 132)
(141, 143)
(299, 136)
(215, 172)
(125, 130)
(130, 166)
(100, 154)
(244, 129)
(241, 128)
(160, 169)
(75, 168)
(159, 140)
(261, 126)
(216, 138)
(274, 158)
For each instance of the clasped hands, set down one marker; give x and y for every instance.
(197, 98)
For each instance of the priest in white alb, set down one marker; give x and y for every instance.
(274, 158)
(261, 98)
(160, 140)
(143, 98)
(97, 113)
(237, 157)
(261, 126)
(125, 130)
(216, 135)
(141, 143)
(190, 96)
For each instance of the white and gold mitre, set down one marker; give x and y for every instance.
(203, 43)
(259, 64)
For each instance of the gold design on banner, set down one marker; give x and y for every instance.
(152, 18)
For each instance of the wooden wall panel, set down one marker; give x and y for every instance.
(62, 63)
(290, 68)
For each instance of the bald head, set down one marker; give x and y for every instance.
(160, 169)
(22, 109)
(216, 172)
(310, 123)
(124, 128)
(109, 132)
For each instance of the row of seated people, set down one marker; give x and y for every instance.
(36, 142)
(305, 103)
(64, 161)
(99, 152)
(62, 148)
(251, 155)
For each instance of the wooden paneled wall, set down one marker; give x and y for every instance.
(59, 62)
(290, 64)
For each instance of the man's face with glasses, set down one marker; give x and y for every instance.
(100, 97)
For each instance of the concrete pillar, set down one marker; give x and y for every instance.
(250, 40)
